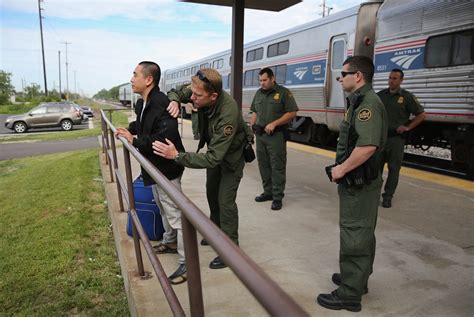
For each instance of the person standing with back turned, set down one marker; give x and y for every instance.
(362, 137)
(400, 104)
(273, 106)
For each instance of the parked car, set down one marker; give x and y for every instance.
(87, 111)
(46, 115)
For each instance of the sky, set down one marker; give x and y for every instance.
(109, 37)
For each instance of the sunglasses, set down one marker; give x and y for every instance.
(344, 74)
(203, 78)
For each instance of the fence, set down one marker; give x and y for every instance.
(262, 287)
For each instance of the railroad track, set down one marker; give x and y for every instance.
(434, 165)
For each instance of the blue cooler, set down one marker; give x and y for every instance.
(147, 211)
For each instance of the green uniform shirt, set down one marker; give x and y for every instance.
(271, 104)
(369, 120)
(399, 106)
(225, 134)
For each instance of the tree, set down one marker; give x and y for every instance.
(32, 91)
(6, 88)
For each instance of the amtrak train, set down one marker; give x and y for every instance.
(431, 41)
(126, 96)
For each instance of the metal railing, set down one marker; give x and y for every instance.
(262, 287)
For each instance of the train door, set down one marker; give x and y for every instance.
(337, 55)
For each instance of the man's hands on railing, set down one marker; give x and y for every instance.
(167, 150)
(124, 133)
(173, 109)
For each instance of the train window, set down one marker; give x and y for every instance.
(186, 72)
(251, 77)
(280, 73)
(248, 78)
(229, 79)
(194, 70)
(278, 48)
(250, 56)
(205, 65)
(450, 49)
(338, 48)
(254, 55)
(218, 63)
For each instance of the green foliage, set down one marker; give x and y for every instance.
(57, 252)
(111, 94)
(6, 88)
(16, 109)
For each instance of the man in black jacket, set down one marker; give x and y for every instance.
(154, 123)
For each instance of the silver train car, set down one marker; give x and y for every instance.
(126, 96)
(431, 41)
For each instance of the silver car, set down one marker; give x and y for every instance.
(46, 115)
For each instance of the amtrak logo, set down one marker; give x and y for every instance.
(404, 61)
(300, 72)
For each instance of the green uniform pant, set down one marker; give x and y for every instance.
(393, 156)
(194, 121)
(221, 190)
(358, 217)
(271, 155)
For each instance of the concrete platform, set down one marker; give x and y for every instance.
(424, 264)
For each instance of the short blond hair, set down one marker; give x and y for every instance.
(209, 79)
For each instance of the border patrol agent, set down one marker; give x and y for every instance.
(222, 128)
(400, 104)
(362, 136)
(273, 106)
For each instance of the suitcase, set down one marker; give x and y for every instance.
(147, 211)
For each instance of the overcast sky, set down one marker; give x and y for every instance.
(109, 37)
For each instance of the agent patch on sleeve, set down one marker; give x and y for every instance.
(228, 129)
(364, 115)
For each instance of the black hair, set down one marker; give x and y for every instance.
(151, 69)
(361, 64)
(398, 70)
(267, 71)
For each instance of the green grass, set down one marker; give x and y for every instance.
(56, 247)
(16, 109)
(119, 119)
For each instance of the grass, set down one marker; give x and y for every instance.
(119, 119)
(56, 247)
(16, 109)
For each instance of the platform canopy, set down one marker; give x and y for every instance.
(267, 5)
(237, 49)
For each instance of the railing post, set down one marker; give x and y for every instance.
(131, 199)
(107, 143)
(104, 127)
(192, 266)
(114, 154)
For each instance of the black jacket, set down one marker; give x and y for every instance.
(157, 124)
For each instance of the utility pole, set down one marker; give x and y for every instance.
(325, 8)
(75, 87)
(67, 72)
(59, 62)
(42, 48)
